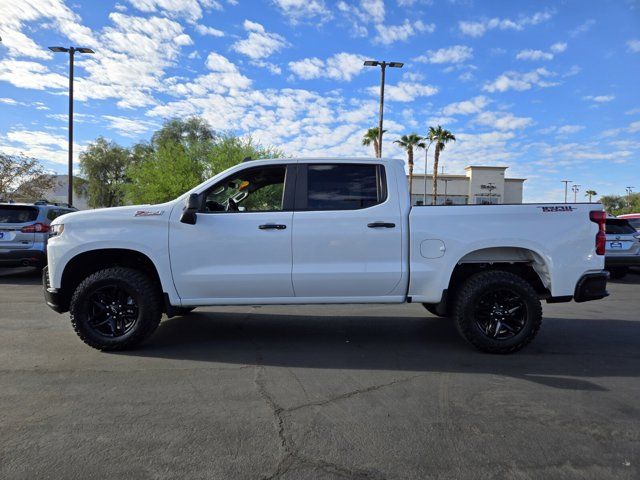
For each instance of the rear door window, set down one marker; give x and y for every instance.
(17, 214)
(343, 187)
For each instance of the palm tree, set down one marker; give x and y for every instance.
(440, 137)
(371, 138)
(590, 193)
(409, 142)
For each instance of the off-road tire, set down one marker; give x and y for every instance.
(431, 308)
(147, 296)
(480, 284)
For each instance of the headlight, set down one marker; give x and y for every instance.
(56, 230)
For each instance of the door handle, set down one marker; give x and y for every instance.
(381, 225)
(272, 226)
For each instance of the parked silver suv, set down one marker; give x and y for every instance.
(623, 247)
(24, 231)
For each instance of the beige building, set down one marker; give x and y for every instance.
(479, 185)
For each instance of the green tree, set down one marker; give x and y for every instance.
(104, 165)
(619, 204)
(182, 154)
(590, 194)
(409, 142)
(440, 137)
(371, 138)
(22, 178)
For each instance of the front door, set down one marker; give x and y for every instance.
(240, 246)
(347, 232)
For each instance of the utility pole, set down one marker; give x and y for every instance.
(383, 67)
(575, 189)
(566, 183)
(71, 51)
(446, 183)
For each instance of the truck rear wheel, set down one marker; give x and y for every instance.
(497, 312)
(115, 308)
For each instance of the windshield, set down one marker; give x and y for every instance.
(17, 214)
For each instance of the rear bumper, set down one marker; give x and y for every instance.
(22, 257)
(621, 261)
(592, 286)
(52, 296)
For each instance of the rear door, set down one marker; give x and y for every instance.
(346, 232)
(13, 218)
(621, 237)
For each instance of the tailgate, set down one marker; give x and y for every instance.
(13, 218)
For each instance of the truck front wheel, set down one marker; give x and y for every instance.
(115, 308)
(497, 312)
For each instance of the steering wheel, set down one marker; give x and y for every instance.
(232, 206)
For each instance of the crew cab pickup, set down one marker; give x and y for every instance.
(322, 231)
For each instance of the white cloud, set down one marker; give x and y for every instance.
(341, 66)
(205, 30)
(191, 10)
(479, 28)
(219, 63)
(582, 28)
(38, 144)
(534, 55)
(467, 107)
(503, 120)
(633, 45)
(453, 54)
(23, 74)
(129, 127)
(259, 43)
(295, 10)
(562, 130)
(542, 55)
(404, 91)
(388, 34)
(520, 81)
(599, 98)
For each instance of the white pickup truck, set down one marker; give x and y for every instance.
(319, 231)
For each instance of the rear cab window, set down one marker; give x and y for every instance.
(335, 186)
(17, 214)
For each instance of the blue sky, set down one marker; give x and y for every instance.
(549, 89)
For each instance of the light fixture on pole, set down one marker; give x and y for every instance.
(575, 189)
(383, 66)
(71, 51)
(566, 183)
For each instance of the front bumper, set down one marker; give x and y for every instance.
(26, 257)
(592, 286)
(621, 261)
(52, 296)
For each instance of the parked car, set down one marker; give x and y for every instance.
(24, 231)
(633, 218)
(623, 247)
(322, 231)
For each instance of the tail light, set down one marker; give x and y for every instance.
(600, 217)
(35, 228)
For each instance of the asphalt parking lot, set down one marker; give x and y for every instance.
(320, 393)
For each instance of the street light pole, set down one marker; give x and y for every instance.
(566, 183)
(426, 157)
(629, 191)
(71, 51)
(383, 66)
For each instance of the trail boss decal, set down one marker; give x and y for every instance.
(558, 208)
(148, 213)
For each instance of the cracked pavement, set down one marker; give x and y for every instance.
(320, 392)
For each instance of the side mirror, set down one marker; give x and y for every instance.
(191, 206)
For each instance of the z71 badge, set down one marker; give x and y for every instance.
(558, 208)
(148, 213)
